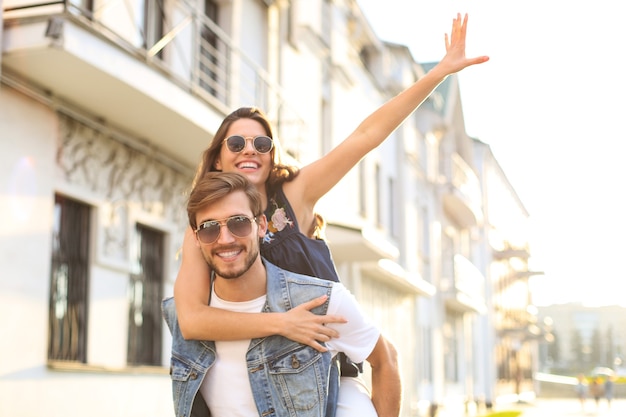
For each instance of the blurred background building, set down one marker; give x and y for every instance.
(585, 338)
(105, 108)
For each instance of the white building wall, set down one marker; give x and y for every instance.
(26, 181)
(505, 227)
(301, 75)
(33, 137)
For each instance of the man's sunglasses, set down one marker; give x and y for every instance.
(237, 143)
(239, 226)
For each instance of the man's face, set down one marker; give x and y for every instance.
(231, 256)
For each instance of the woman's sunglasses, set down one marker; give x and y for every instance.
(237, 143)
(239, 226)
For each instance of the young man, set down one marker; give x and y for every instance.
(271, 376)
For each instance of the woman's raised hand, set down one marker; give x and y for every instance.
(455, 59)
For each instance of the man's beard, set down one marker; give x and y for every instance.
(232, 273)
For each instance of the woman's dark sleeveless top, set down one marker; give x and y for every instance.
(285, 246)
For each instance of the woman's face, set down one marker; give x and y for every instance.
(253, 165)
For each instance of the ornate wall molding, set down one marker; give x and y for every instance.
(130, 184)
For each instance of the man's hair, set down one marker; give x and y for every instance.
(214, 186)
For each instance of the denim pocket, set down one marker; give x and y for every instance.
(181, 371)
(294, 361)
(302, 374)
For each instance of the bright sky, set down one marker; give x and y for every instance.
(550, 103)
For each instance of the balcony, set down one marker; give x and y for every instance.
(515, 277)
(168, 80)
(465, 291)
(393, 274)
(520, 324)
(353, 243)
(461, 193)
(509, 253)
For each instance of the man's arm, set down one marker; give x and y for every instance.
(361, 340)
(386, 383)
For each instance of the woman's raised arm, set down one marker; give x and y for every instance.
(317, 178)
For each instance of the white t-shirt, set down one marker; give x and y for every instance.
(226, 387)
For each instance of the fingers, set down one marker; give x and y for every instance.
(331, 318)
(455, 24)
(315, 345)
(459, 29)
(316, 302)
(464, 25)
(321, 336)
(455, 46)
(477, 60)
(328, 332)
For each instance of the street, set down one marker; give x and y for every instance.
(567, 407)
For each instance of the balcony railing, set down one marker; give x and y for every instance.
(183, 44)
(464, 179)
(464, 285)
(463, 197)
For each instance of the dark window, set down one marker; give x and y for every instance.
(393, 208)
(85, 7)
(153, 24)
(378, 194)
(69, 281)
(326, 21)
(146, 292)
(212, 74)
(362, 190)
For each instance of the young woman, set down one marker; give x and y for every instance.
(244, 144)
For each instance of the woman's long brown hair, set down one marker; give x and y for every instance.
(279, 173)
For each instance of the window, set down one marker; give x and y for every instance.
(69, 281)
(85, 6)
(393, 209)
(292, 22)
(447, 257)
(426, 354)
(378, 194)
(153, 24)
(326, 116)
(210, 57)
(424, 243)
(362, 190)
(326, 21)
(451, 334)
(146, 293)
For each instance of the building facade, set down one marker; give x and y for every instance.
(105, 109)
(511, 328)
(584, 338)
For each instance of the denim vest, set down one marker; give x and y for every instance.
(287, 379)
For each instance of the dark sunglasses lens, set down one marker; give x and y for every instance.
(239, 226)
(263, 144)
(208, 232)
(236, 143)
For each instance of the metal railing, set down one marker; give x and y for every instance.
(183, 44)
(464, 179)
